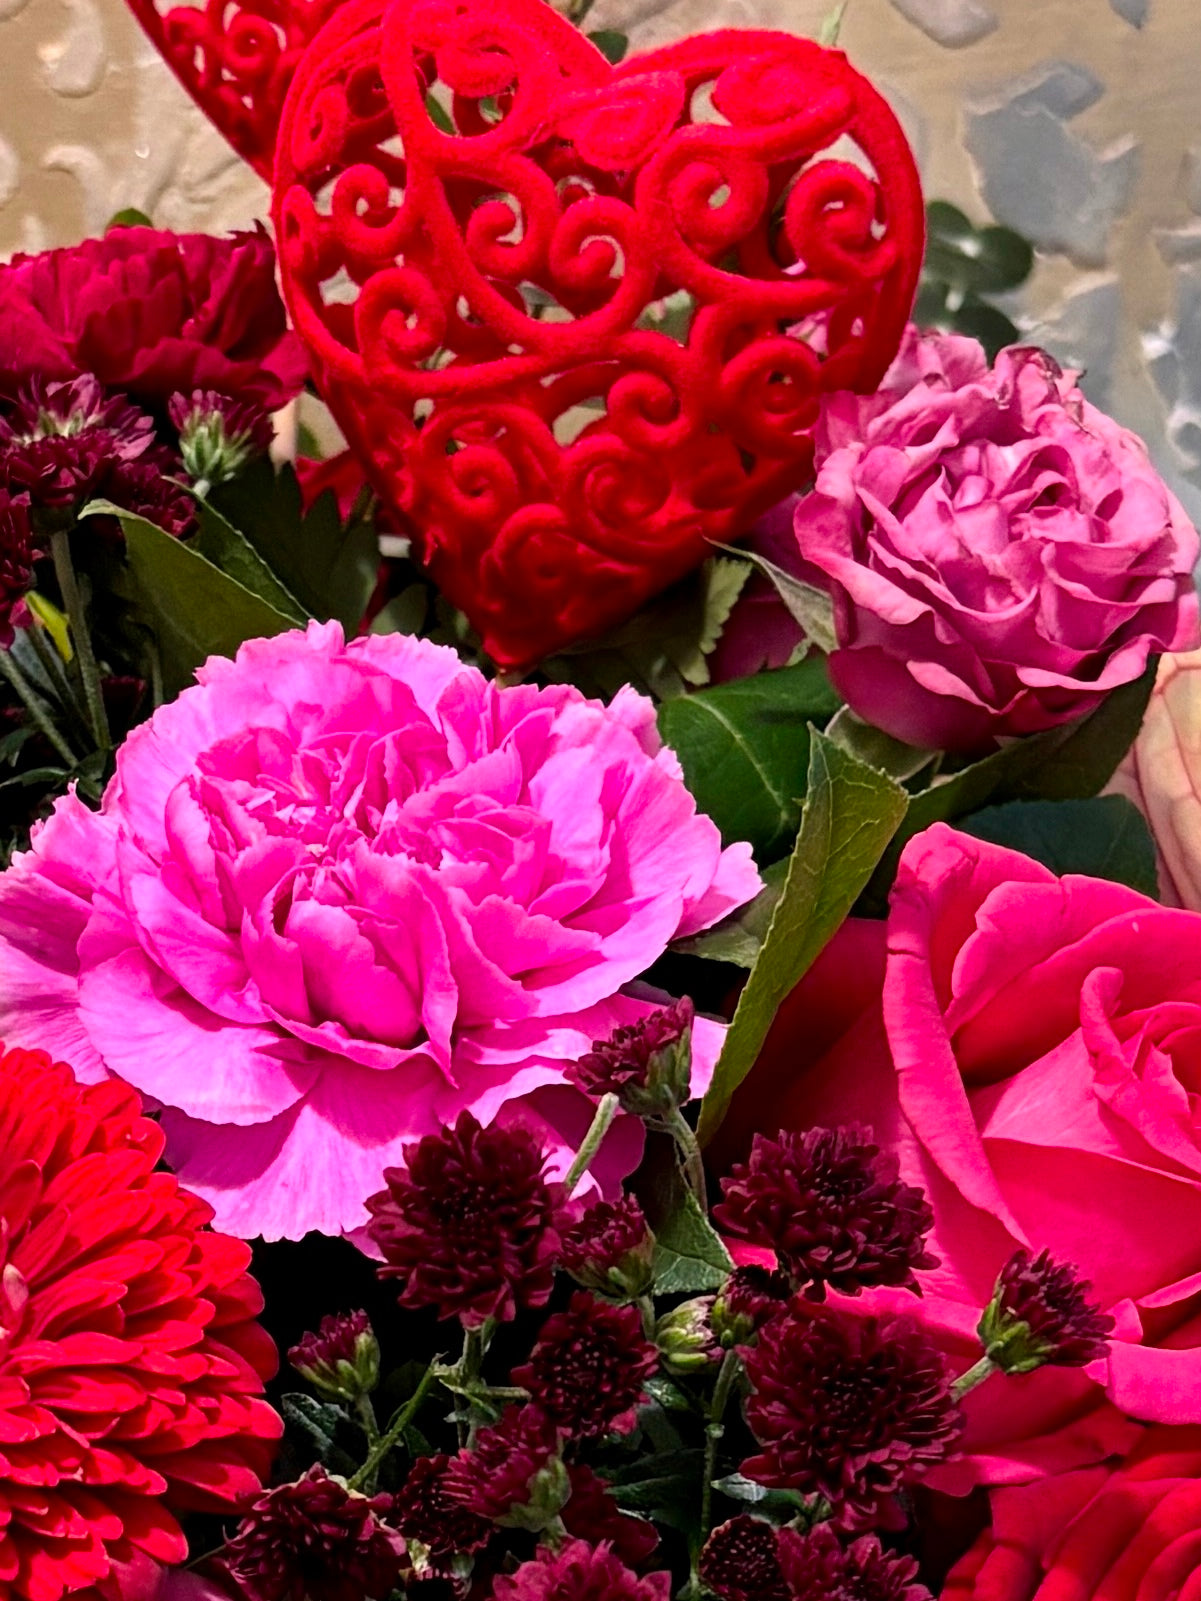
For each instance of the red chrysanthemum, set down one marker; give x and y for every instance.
(131, 1367)
(646, 1064)
(830, 1205)
(846, 1409)
(423, 1511)
(512, 1465)
(17, 551)
(589, 1369)
(471, 1223)
(740, 1562)
(611, 1249)
(1040, 1313)
(816, 1568)
(580, 1572)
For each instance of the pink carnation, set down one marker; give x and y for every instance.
(337, 894)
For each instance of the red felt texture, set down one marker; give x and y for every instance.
(584, 333)
(236, 59)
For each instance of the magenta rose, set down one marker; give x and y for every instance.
(999, 553)
(1036, 1066)
(153, 314)
(337, 894)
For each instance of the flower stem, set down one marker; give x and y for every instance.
(36, 707)
(678, 1127)
(975, 1375)
(64, 571)
(365, 1477)
(730, 1366)
(367, 1418)
(606, 1111)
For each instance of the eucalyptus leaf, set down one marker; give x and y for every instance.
(744, 748)
(1102, 837)
(193, 609)
(851, 812)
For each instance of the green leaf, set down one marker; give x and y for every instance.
(739, 938)
(851, 812)
(1102, 837)
(831, 25)
(193, 609)
(1071, 762)
(811, 609)
(877, 749)
(983, 260)
(130, 217)
(744, 748)
(404, 613)
(737, 1488)
(330, 568)
(689, 1255)
(662, 649)
(220, 542)
(611, 44)
(663, 1485)
(317, 1422)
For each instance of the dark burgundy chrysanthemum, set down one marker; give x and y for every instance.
(1040, 1313)
(816, 1568)
(592, 1514)
(145, 488)
(18, 548)
(846, 1409)
(740, 1562)
(511, 1465)
(830, 1204)
(342, 1358)
(471, 1223)
(422, 1510)
(589, 1369)
(316, 1541)
(749, 1297)
(610, 1249)
(61, 443)
(646, 1064)
(578, 1571)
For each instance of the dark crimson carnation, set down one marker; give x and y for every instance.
(316, 1541)
(580, 1572)
(1040, 1313)
(740, 1562)
(830, 1204)
(471, 1224)
(646, 1063)
(422, 1510)
(611, 1249)
(151, 313)
(497, 1475)
(846, 1409)
(589, 1368)
(131, 1368)
(17, 552)
(592, 1514)
(816, 1568)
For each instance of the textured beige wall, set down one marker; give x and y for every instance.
(1079, 119)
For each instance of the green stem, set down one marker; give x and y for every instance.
(677, 1125)
(730, 1365)
(36, 707)
(975, 1375)
(606, 1111)
(64, 571)
(467, 1373)
(367, 1418)
(366, 1474)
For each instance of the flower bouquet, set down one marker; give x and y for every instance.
(633, 915)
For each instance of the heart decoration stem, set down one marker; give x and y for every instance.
(586, 332)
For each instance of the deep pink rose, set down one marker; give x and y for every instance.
(999, 553)
(337, 894)
(152, 313)
(1036, 1065)
(1131, 1533)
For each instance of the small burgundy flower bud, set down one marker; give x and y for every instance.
(830, 1205)
(685, 1337)
(611, 1250)
(1040, 1314)
(513, 1475)
(342, 1359)
(740, 1562)
(749, 1297)
(648, 1064)
(218, 436)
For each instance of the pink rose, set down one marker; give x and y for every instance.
(1128, 1534)
(1036, 1066)
(338, 893)
(999, 553)
(152, 313)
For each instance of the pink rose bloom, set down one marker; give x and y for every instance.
(338, 893)
(1036, 1066)
(999, 553)
(1161, 774)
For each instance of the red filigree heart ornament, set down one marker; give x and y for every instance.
(236, 58)
(575, 320)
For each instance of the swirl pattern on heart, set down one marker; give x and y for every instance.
(576, 319)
